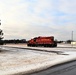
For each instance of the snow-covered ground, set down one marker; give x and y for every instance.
(23, 61)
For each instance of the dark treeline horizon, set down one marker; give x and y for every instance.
(14, 41)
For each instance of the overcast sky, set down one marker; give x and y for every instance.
(25, 19)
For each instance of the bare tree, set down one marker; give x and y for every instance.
(1, 34)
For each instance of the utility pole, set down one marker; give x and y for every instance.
(72, 36)
(0, 22)
(72, 39)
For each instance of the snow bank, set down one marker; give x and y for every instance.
(23, 61)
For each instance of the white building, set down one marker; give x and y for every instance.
(74, 43)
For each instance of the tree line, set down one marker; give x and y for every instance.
(14, 41)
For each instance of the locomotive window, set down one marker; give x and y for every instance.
(34, 39)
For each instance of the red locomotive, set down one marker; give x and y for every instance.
(42, 41)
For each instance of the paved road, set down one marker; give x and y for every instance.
(64, 69)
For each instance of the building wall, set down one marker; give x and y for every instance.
(74, 43)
